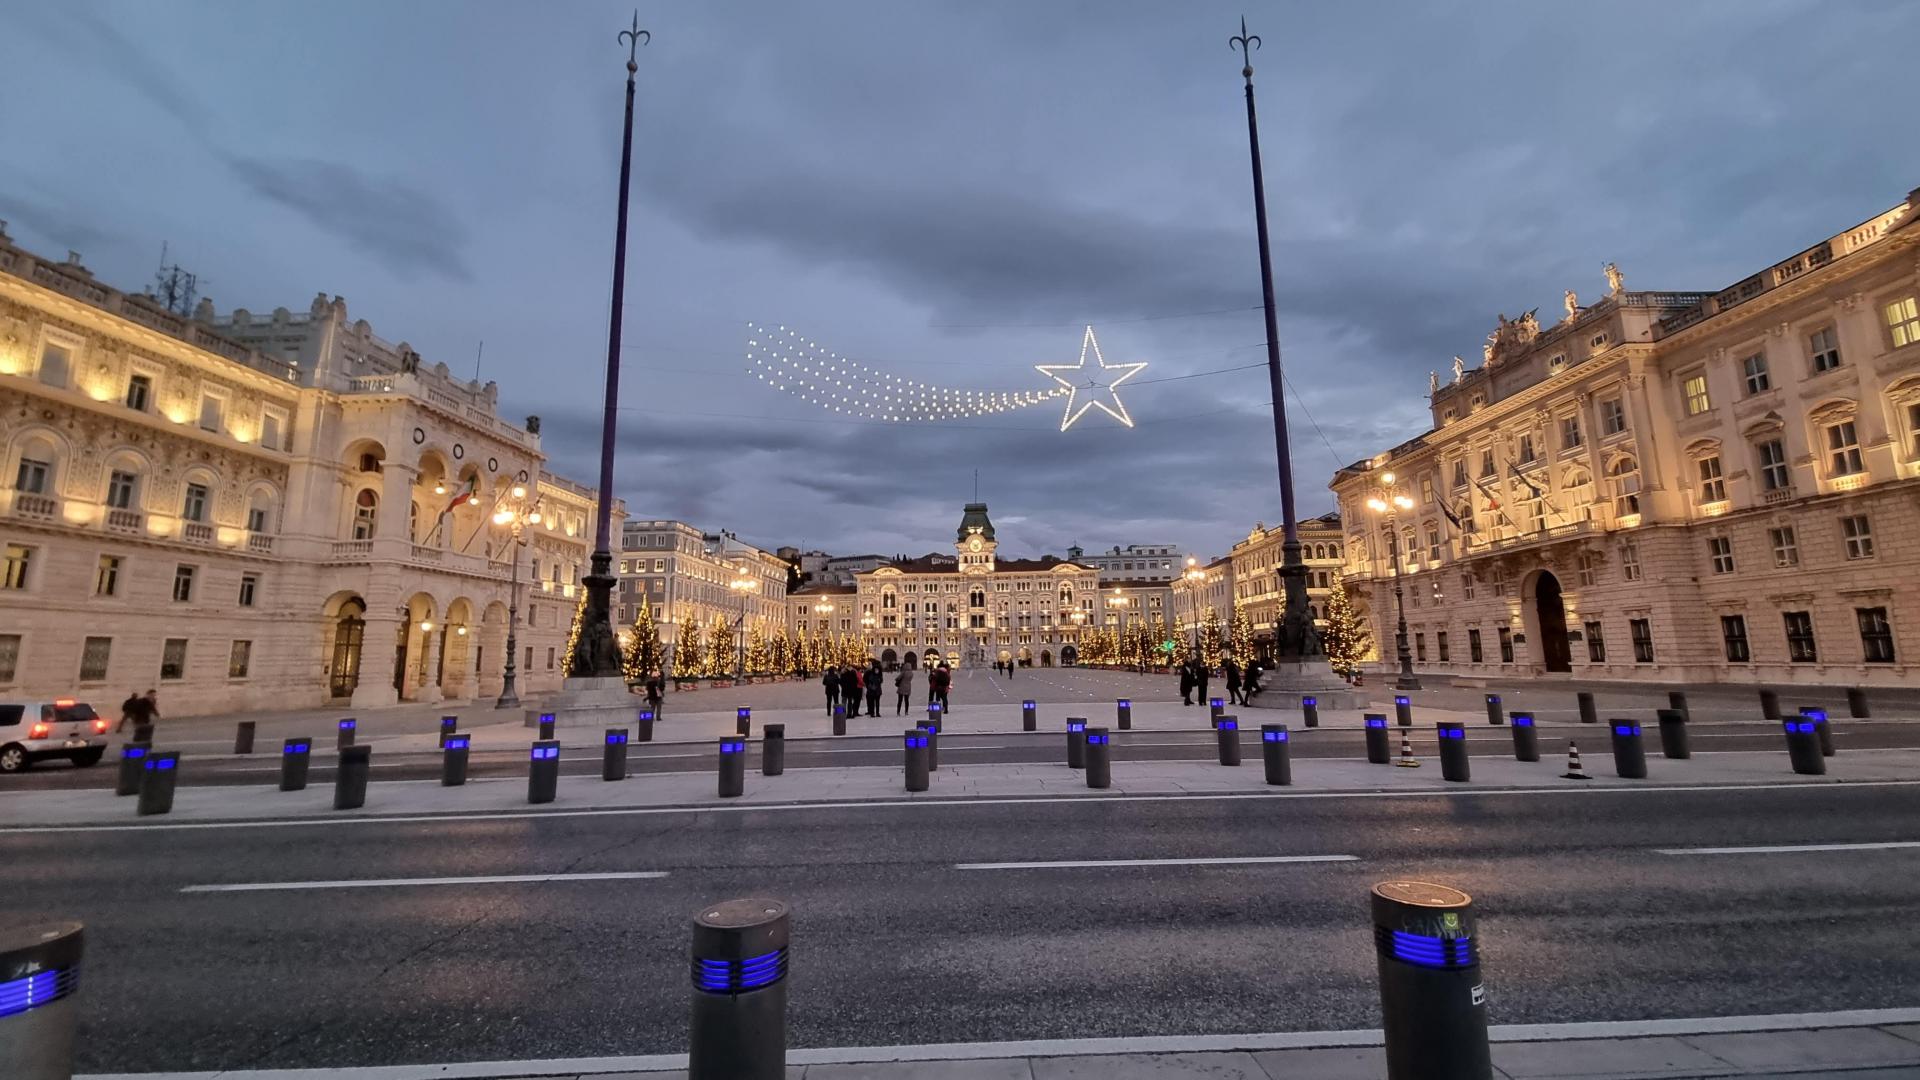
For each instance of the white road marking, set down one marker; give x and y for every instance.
(405, 882)
(944, 747)
(1073, 864)
(1788, 849)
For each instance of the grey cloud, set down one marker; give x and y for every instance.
(384, 217)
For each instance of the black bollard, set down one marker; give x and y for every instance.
(643, 728)
(1526, 739)
(1403, 710)
(933, 743)
(133, 760)
(1275, 755)
(347, 729)
(159, 771)
(739, 1024)
(1377, 751)
(243, 737)
(839, 719)
(1588, 714)
(1076, 742)
(1769, 705)
(1123, 714)
(1857, 703)
(453, 760)
(1454, 765)
(613, 758)
(773, 750)
(1227, 734)
(933, 711)
(143, 733)
(1493, 709)
(1310, 711)
(916, 759)
(743, 722)
(1431, 995)
(1803, 747)
(1677, 701)
(1820, 728)
(543, 771)
(350, 777)
(39, 999)
(1673, 734)
(1216, 706)
(546, 725)
(733, 766)
(448, 725)
(1029, 716)
(296, 757)
(1629, 751)
(1099, 759)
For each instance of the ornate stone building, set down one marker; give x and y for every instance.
(1256, 573)
(1670, 486)
(260, 512)
(690, 575)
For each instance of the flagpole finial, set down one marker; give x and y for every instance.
(1246, 43)
(634, 38)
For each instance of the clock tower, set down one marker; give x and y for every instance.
(974, 541)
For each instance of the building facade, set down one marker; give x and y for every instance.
(1135, 562)
(686, 574)
(260, 512)
(1670, 486)
(1256, 573)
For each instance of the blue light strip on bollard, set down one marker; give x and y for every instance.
(916, 742)
(1273, 736)
(1096, 740)
(1493, 699)
(546, 718)
(1402, 699)
(1376, 721)
(1026, 704)
(1227, 723)
(160, 764)
(1814, 714)
(134, 751)
(545, 753)
(459, 742)
(1305, 701)
(1522, 719)
(732, 746)
(615, 738)
(1423, 950)
(1804, 727)
(743, 713)
(297, 748)
(646, 714)
(933, 706)
(1626, 729)
(1076, 725)
(1452, 733)
(37, 989)
(739, 976)
(348, 725)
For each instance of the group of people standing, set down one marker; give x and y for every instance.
(1241, 682)
(1004, 667)
(854, 685)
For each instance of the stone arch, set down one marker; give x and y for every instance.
(207, 477)
(1543, 613)
(263, 507)
(359, 453)
(38, 443)
(1046, 657)
(457, 639)
(344, 642)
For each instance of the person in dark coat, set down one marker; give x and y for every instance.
(902, 690)
(850, 689)
(656, 692)
(830, 679)
(875, 683)
(1186, 683)
(1232, 670)
(1201, 673)
(939, 683)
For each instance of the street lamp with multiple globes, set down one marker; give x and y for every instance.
(742, 584)
(1193, 576)
(1387, 500)
(514, 513)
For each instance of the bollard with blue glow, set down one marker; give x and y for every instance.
(347, 728)
(1076, 742)
(1029, 716)
(1493, 709)
(39, 1003)
(159, 771)
(1227, 735)
(1274, 753)
(643, 728)
(839, 719)
(1677, 701)
(1857, 703)
(453, 760)
(1216, 706)
(933, 712)
(613, 759)
(743, 722)
(546, 725)
(1820, 728)
(932, 730)
(1803, 747)
(1432, 999)
(350, 777)
(773, 750)
(733, 766)
(1310, 711)
(1403, 710)
(916, 759)
(1378, 752)
(133, 759)
(296, 757)
(1769, 705)
(448, 725)
(243, 737)
(1588, 713)
(543, 771)
(1526, 738)
(1629, 752)
(739, 1024)
(1673, 734)
(1454, 765)
(1123, 714)
(1099, 759)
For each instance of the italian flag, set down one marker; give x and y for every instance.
(468, 494)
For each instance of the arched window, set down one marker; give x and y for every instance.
(366, 513)
(35, 473)
(1623, 476)
(1333, 550)
(262, 511)
(413, 521)
(977, 598)
(887, 598)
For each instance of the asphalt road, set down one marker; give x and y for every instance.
(1581, 920)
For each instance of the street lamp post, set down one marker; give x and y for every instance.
(515, 516)
(1388, 500)
(1194, 575)
(824, 609)
(741, 585)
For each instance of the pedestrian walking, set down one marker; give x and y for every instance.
(939, 684)
(1201, 673)
(656, 691)
(131, 711)
(902, 691)
(875, 683)
(830, 679)
(1186, 683)
(1250, 685)
(1231, 668)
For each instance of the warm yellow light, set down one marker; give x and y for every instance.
(439, 489)
(1386, 478)
(178, 416)
(1403, 502)
(427, 625)
(77, 513)
(502, 517)
(461, 630)
(1376, 505)
(534, 518)
(519, 492)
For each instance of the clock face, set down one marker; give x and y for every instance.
(973, 544)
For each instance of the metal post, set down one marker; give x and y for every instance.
(1588, 713)
(1803, 747)
(1493, 710)
(1677, 701)
(1820, 728)
(350, 777)
(296, 757)
(1310, 711)
(1123, 714)
(1029, 716)
(159, 771)
(1454, 765)
(1227, 735)
(733, 766)
(613, 759)
(932, 728)
(347, 729)
(546, 725)
(1526, 738)
(916, 759)
(773, 750)
(508, 698)
(1769, 705)
(1857, 703)
(133, 760)
(1403, 710)
(1673, 733)
(1099, 759)
(743, 722)
(739, 1023)
(1215, 706)
(543, 771)
(448, 725)
(643, 728)
(243, 737)
(39, 1006)
(453, 760)
(1431, 995)
(1377, 750)
(839, 719)
(1076, 742)
(1629, 752)
(1274, 753)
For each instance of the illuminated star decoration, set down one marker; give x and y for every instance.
(786, 361)
(1106, 377)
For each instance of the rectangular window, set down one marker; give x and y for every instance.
(1506, 644)
(182, 584)
(1433, 544)
(1460, 467)
(1641, 631)
(194, 506)
(659, 566)
(31, 477)
(249, 588)
(1858, 533)
(1596, 643)
(1903, 321)
(1733, 631)
(1556, 363)
(1569, 432)
(239, 658)
(1800, 648)
(1420, 647)
(1440, 642)
(273, 425)
(1695, 389)
(9, 656)
(173, 658)
(13, 572)
(139, 393)
(1630, 562)
(1486, 464)
(1613, 417)
(1473, 646)
(213, 412)
(1823, 349)
(1843, 449)
(1773, 465)
(1589, 568)
(1713, 488)
(1426, 489)
(106, 577)
(55, 361)
(1721, 548)
(1755, 369)
(1466, 586)
(1913, 430)
(257, 519)
(121, 488)
(549, 659)
(1876, 634)
(1785, 551)
(94, 655)
(1526, 448)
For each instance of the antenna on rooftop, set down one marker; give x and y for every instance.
(176, 289)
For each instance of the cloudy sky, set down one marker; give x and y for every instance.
(950, 192)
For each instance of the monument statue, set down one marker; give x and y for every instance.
(1616, 281)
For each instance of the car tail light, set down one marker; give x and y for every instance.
(100, 725)
(39, 731)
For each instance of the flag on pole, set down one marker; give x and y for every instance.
(1493, 501)
(1532, 488)
(468, 494)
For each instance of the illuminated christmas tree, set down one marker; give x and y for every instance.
(689, 658)
(1242, 635)
(778, 661)
(1210, 639)
(759, 659)
(1182, 650)
(643, 646)
(573, 635)
(719, 662)
(853, 652)
(1345, 637)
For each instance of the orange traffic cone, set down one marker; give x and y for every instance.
(1407, 760)
(1574, 771)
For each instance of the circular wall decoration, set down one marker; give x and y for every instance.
(419, 436)
(459, 451)
(523, 476)
(493, 464)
